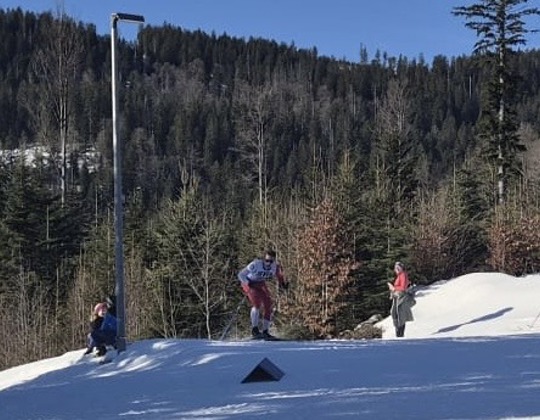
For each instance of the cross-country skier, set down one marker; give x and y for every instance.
(253, 281)
(401, 300)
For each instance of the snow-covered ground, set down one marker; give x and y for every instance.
(473, 352)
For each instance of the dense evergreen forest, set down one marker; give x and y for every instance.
(231, 146)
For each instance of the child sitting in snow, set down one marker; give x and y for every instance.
(102, 330)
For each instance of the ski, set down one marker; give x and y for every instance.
(273, 339)
(105, 359)
(263, 338)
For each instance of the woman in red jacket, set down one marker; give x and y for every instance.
(401, 300)
(401, 282)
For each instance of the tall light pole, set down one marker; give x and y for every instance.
(118, 202)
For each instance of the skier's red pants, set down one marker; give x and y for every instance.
(259, 295)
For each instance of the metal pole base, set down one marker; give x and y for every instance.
(121, 344)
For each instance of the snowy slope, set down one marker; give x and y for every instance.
(475, 304)
(464, 360)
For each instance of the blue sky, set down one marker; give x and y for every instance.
(335, 27)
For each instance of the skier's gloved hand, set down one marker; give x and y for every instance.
(284, 285)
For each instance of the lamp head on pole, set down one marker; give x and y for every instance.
(127, 17)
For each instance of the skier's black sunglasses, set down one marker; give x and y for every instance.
(269, 261)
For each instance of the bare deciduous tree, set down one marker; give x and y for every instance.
(394, 147)
(325, 268)
(55, 69)
(30, 331)
(256, 108)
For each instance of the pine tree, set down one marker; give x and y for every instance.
(193, 266)
(395, 151)
(360, 229)
(500, 26)
(389, 202)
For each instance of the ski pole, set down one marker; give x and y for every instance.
(535, 319)
(233, 318)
